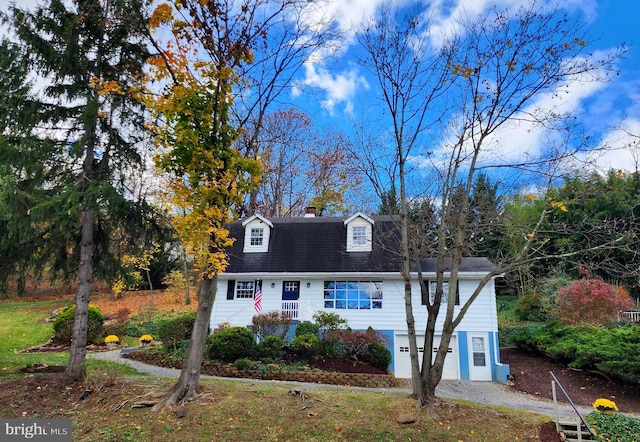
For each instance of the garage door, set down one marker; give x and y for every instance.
(402, 362)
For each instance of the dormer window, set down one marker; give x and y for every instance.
(359, 233)
(257, 231)
(257, 236)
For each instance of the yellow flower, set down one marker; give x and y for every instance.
(605, 405)
(111, 339)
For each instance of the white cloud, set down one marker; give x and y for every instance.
(339, 88)
(445, 15)
(521, 138)
(619, 149)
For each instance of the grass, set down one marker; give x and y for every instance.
(23, 325)
(229, 410)
(242, 411)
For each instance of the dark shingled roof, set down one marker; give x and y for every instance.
(318, 245)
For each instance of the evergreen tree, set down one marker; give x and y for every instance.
(91, 53)
(485, 232)
(22, 169)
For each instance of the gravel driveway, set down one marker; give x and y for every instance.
(491, 393)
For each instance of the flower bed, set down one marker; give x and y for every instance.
(274, 372)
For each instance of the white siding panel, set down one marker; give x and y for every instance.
(480, 317)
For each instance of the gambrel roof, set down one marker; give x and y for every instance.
(319, 245)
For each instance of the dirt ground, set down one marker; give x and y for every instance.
(583, 387)
(47, 393)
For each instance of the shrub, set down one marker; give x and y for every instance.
(271, 324)
(548, 288)
(615, 352)
(355, 344)
(529, 308)
(614, 427)
(63, 326)
(527, 336)
(230, 344)
(244, 364)
(330, 348)
(271, 347)
(504, 334)
(327, 321)
(179, 351)
(306, 345)
(307, 328)
(378, 356)
(176, 330)
(590, 301)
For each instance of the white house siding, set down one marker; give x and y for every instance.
(480, 319)
(241, 311)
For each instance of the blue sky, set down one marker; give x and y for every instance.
(342, 86)
(607, 111)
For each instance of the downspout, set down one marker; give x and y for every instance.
(502, 370)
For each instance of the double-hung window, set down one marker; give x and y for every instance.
(445, 293)
(257, 236)
(359, 236)
(245, 289)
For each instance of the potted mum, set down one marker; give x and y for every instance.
(605, 405)
(145, 340)
(112, 341)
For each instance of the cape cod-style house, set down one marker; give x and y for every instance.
(350, 266)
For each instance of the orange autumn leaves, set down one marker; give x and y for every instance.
(207, 176)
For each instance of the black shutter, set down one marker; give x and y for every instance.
(231, 288)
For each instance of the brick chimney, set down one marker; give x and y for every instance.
(310, 212)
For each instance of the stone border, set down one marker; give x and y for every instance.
(322, 377)
(317, 377)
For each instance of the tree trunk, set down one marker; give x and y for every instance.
(187, 279)
(188, 386)
(78, 350)
(428, 400)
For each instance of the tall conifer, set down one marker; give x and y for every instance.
(90, 54)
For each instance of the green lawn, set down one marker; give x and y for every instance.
(232, 410)
(23, 325)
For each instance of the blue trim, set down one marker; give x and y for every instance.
(499, 372)
(492, 355)
(463, 355)
(390, 335)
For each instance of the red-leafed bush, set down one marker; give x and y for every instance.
(355, 345)
(271, 324)
(591, 301)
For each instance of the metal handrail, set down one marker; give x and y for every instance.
(555, 379)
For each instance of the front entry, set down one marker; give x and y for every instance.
(480, 362)
(290, 297)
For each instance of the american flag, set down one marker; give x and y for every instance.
(257, 299)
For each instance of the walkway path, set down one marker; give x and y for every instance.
(491, 393)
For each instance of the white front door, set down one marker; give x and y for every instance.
(479, 358)
(402, 362)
